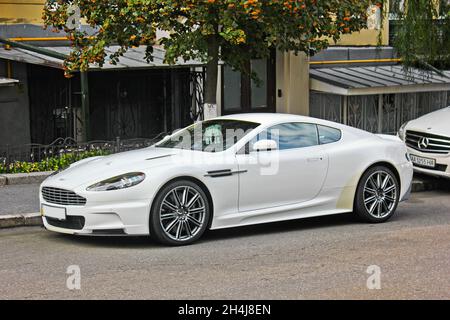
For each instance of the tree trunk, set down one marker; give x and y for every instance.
(212, 71)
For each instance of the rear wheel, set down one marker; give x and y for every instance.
(180, 213)
(377, 195)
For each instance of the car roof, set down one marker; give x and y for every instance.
(267, 118)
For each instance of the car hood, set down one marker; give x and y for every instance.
(435, 123)
(96, 169)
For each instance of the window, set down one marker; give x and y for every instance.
(241, 94)
(328, 134)
(232, 87)
(209, 136)
(292, 135)
(259, 90)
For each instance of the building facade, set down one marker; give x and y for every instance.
(132, 99)
(356, 81)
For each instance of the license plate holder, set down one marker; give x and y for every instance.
(54, 212)
(424, 162)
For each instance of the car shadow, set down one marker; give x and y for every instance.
(104, 241)
(212, 235)
(432, 183)
(282, 227)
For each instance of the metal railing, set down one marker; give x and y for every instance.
(38, 152)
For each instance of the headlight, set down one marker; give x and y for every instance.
(120, 182)
(402, 131)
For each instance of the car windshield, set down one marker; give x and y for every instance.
(209, 136)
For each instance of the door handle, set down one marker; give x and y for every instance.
(315, 159)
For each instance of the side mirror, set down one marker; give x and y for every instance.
(265, 145)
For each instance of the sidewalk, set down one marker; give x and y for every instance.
(19, 199)
(19, 205)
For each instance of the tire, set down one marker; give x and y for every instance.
(180, 214)
(377, 195)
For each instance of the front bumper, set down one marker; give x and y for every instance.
(124, 218)
(442, 168)
(431, 172)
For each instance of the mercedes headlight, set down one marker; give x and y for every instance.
(120, 182)
(402, 131)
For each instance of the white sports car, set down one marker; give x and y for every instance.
(428, 141)
(231, 171)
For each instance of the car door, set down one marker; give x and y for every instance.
(292, 174)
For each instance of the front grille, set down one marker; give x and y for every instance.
(62, 197)
(71, 222)
(427, 143)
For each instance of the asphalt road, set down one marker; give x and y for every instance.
(320, 258)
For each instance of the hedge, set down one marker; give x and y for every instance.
(49, 164)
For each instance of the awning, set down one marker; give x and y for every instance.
(350, 81)
(4, 82)
(133, 59)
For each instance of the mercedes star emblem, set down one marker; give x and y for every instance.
(423, 143)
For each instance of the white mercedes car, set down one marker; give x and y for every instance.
(227, 172)
(428, 141)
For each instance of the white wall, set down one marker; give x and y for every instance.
(293, 81)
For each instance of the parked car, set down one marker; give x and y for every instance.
(231, 171)
(428, 141)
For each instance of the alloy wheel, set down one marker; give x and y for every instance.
(182, 213)
(380, 194)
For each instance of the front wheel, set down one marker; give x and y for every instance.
(180, 214)
(377, 195)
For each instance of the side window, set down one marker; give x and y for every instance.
(328, 134)
(292, 135)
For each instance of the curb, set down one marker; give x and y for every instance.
(23, 178)
(20, 220)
